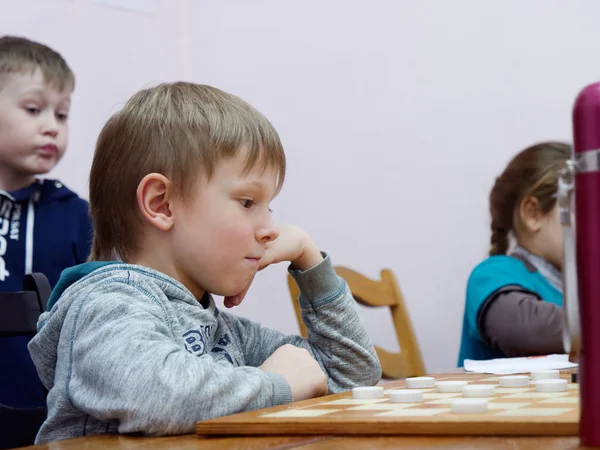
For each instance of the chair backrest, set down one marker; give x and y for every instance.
(20, 310)
(379, 293)
(19, 313)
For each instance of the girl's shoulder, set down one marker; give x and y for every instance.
(497, 271)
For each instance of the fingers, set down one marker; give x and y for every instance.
(230, 302)
(266, 260)
(236, 299)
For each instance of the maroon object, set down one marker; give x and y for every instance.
(586, 140)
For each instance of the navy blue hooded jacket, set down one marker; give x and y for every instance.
(46, 228)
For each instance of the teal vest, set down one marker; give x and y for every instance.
(488, 277)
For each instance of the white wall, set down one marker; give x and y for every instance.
(113, 52)
(396, 117)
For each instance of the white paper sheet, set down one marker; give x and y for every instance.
(507, 366)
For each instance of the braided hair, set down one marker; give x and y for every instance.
(532, 172)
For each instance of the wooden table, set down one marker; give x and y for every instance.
(189, 442)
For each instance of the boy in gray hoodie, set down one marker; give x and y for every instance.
(133, 342)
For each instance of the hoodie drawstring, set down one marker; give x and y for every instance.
(29, 234)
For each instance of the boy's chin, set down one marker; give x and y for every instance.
(230, 286)
(39, 171)
(229, 291)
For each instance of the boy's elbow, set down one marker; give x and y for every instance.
(372, 370)
(156, 426)
(368, 373)
(375, 371)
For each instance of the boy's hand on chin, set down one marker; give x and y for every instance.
(294, 245)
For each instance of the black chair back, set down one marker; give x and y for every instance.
(19, 313)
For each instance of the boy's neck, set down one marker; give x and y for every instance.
(156, 257)
(9, 181)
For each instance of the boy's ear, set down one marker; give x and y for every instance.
(154, 195)
(530, 214)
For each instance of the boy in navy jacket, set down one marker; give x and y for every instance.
(44, 227)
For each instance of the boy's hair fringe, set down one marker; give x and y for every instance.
(21, 55)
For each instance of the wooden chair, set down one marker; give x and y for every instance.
(378, 293)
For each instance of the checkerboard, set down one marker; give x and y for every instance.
(511, 411)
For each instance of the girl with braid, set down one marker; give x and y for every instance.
(514, 297)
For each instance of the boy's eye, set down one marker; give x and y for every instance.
(32, 109)
(247, 203)
(62, 117)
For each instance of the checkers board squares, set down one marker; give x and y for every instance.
(511, 411)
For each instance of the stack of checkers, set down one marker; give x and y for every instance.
(474, 396)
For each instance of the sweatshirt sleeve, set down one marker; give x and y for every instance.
(337, 336)
(125, 365)
(518, 323)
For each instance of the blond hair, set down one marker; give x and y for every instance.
(21, 55)
(532, 172)
(180, 130)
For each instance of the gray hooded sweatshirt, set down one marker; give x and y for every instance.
(126, 349)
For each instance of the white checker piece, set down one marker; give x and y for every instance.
(419, 382)
(553, 385)
(363, 392)
(551, 374)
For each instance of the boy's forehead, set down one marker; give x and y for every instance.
(258, 178)
(237, 167)
(256, 182)
(25, 82)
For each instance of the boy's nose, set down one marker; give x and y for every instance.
(50, 127)
(51, 132)
(267, 234)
